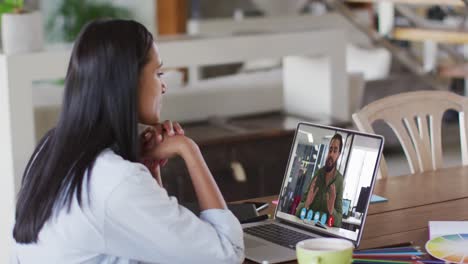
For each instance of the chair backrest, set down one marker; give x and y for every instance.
(416, 119)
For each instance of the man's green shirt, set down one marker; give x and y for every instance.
(320, 201)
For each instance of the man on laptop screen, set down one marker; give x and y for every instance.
(325, 191)
(334, 165)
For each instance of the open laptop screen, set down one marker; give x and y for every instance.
(329, 179)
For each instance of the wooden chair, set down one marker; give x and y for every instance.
(416, 119)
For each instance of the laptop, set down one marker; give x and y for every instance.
(327, 165)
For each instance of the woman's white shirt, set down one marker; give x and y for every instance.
(129, 218)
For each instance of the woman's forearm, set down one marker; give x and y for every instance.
(206, 189)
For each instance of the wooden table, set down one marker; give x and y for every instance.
(413, 201)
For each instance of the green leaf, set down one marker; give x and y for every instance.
(74, 14)
(6, 8)
(14, 3)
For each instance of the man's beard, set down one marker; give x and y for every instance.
(329, 168)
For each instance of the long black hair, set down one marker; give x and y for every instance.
(99, 111)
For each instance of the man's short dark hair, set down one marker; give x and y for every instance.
(339, 138)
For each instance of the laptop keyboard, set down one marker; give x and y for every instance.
(277, 234)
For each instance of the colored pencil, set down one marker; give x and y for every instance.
(389, 257)
(404, 254)
(392, 254)
(404, 244)
(380, 261)
(389, 253)
(389, 249)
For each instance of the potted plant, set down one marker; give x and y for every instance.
(21, 30)
(70, 16)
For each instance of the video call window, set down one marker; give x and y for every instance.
(329, 179)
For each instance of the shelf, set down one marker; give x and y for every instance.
(454, 71)
(414, 2)
(441, 36)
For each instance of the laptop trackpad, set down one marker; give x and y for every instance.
(252, 243)
(259, 251)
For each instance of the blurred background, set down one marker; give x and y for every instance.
(242, 73)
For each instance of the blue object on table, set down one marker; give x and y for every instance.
(323, 219)
(316, 217)
(310, 214)
(303, 213)
(377, 199)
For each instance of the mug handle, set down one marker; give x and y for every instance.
(315, 260)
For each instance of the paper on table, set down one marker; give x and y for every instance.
(377, 199)
(441, 228)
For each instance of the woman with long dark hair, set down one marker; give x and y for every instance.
(86, 196)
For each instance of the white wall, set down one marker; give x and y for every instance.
(361, 166)
(144, 11)
(7, 194)
(366, 142)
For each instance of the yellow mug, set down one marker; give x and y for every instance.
(324, 251)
